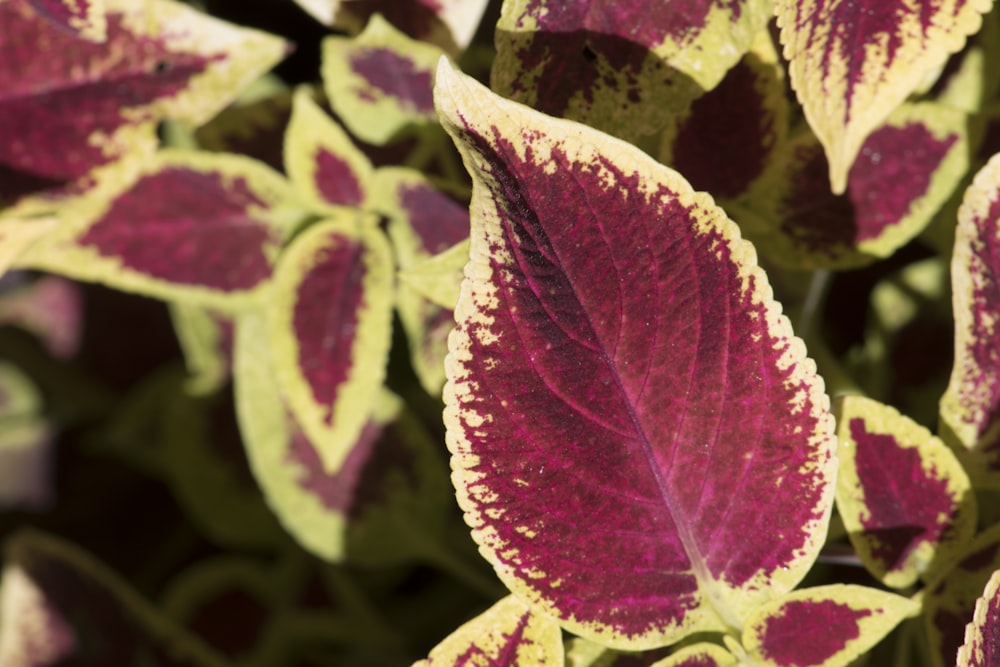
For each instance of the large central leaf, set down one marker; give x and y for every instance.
(639, 442)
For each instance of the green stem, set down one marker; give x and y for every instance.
(819, 286)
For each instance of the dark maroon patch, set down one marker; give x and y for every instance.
(721, 147)
(816, 220)
(233, 621)
(438, 220)
(379, 454)
(187, 227)
(54, 102)
(419, 19)
(893, 169)
(325, 318)
(633, 356)
(336, 181)
(395, 76)
(809, 632)
(904, 503)
(951, 624)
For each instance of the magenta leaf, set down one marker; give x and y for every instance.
(970, 406)
(853, 63)
(619, 379)
(829, 626)
(904, 498)
(78, 104)
(202, 227)
(330, 321)
(61, 606)
(378, 507)
(905, 171)
(982, 635)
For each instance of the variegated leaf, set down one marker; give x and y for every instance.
(330, 325)
(905, 500)
(852, 62)
(906, 170)
(380, 82)
(190, 225)
(614, 325)
(971, 404)
(322, 161)
(828, 626)
(77, 104)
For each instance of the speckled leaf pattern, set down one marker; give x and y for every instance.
(380, 82)
(82, 104)
(828, 626)
(727, 138)
(83, 18)
(619, 368)
(423, 222)
(971, 404)
(852, 62)
(905, 171)
(622, 67)
(320, 159)
(905, 500)
(982, 635)
(330, 319)
(698, 655)
(195, 226)
(387, 490)
(67, 608)
(949, 602)
(508, 634)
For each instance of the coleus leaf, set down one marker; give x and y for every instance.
(58, 603)
(828, 625)
(380, 81)
(970, 406)
(982, 635)
(388, 489)
(619, 378)
(196, 226)
(79, 104)
(507, 634)
(439, 278)
(330, 326)
(83, 18)
(321, 160)
(906, 170)
(949, 602)
(254, 125)
(423, 221)
(726, 139)
(622, 67)
(852, 63)
(905, 500)
(582, 652)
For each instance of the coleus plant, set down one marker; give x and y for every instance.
(606, 285)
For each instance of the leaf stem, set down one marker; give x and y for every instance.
(819, 286)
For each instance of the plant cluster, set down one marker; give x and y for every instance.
(692, 306)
